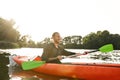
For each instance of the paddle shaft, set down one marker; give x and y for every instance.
(105, 48)
(81, 54)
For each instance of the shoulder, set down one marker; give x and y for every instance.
(48, 45)
(61, 46)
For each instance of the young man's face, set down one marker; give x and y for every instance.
(57, 38)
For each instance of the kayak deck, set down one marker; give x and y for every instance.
(82, 70)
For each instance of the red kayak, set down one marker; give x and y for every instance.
(82, 71)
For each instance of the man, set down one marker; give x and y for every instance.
(53, 52)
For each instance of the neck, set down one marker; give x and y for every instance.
(56, 44)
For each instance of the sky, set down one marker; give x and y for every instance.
(40, 18)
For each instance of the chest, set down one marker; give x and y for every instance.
(57, 51)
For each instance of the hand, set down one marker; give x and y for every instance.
(85, 53)
(59, 57)
(77, 54)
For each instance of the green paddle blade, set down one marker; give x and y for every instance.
(106, 48)
(32, 64)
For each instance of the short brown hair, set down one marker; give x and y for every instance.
(55, 33)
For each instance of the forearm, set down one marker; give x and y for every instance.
(67, 53)
(51, 59)
(71, 53)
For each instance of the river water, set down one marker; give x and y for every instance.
(14, 72)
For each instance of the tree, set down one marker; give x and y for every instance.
(115, 40)
(9, 36)
(46, 41)
(23, 40)
(96, 40)
(90, 41)
(31, 44)
(76, 39)
(72, 42)
(7, 32)
(67, 40)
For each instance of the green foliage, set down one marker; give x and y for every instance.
(67, 42)
(31, 44)
(96, 40)
(43, 43)
(72, 42)
(91, 41)
(9, 36)
(23, 41)
(7, 32)
(8, 45)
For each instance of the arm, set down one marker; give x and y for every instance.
(67, 53)
(45, 54)
(51, 59)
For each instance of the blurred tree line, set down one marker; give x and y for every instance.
(90, 41)
(96, 40)
(8, 35)
(11, 38)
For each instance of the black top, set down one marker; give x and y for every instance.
(50, 51)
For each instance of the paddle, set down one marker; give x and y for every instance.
(104, 49)
(34, 64)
